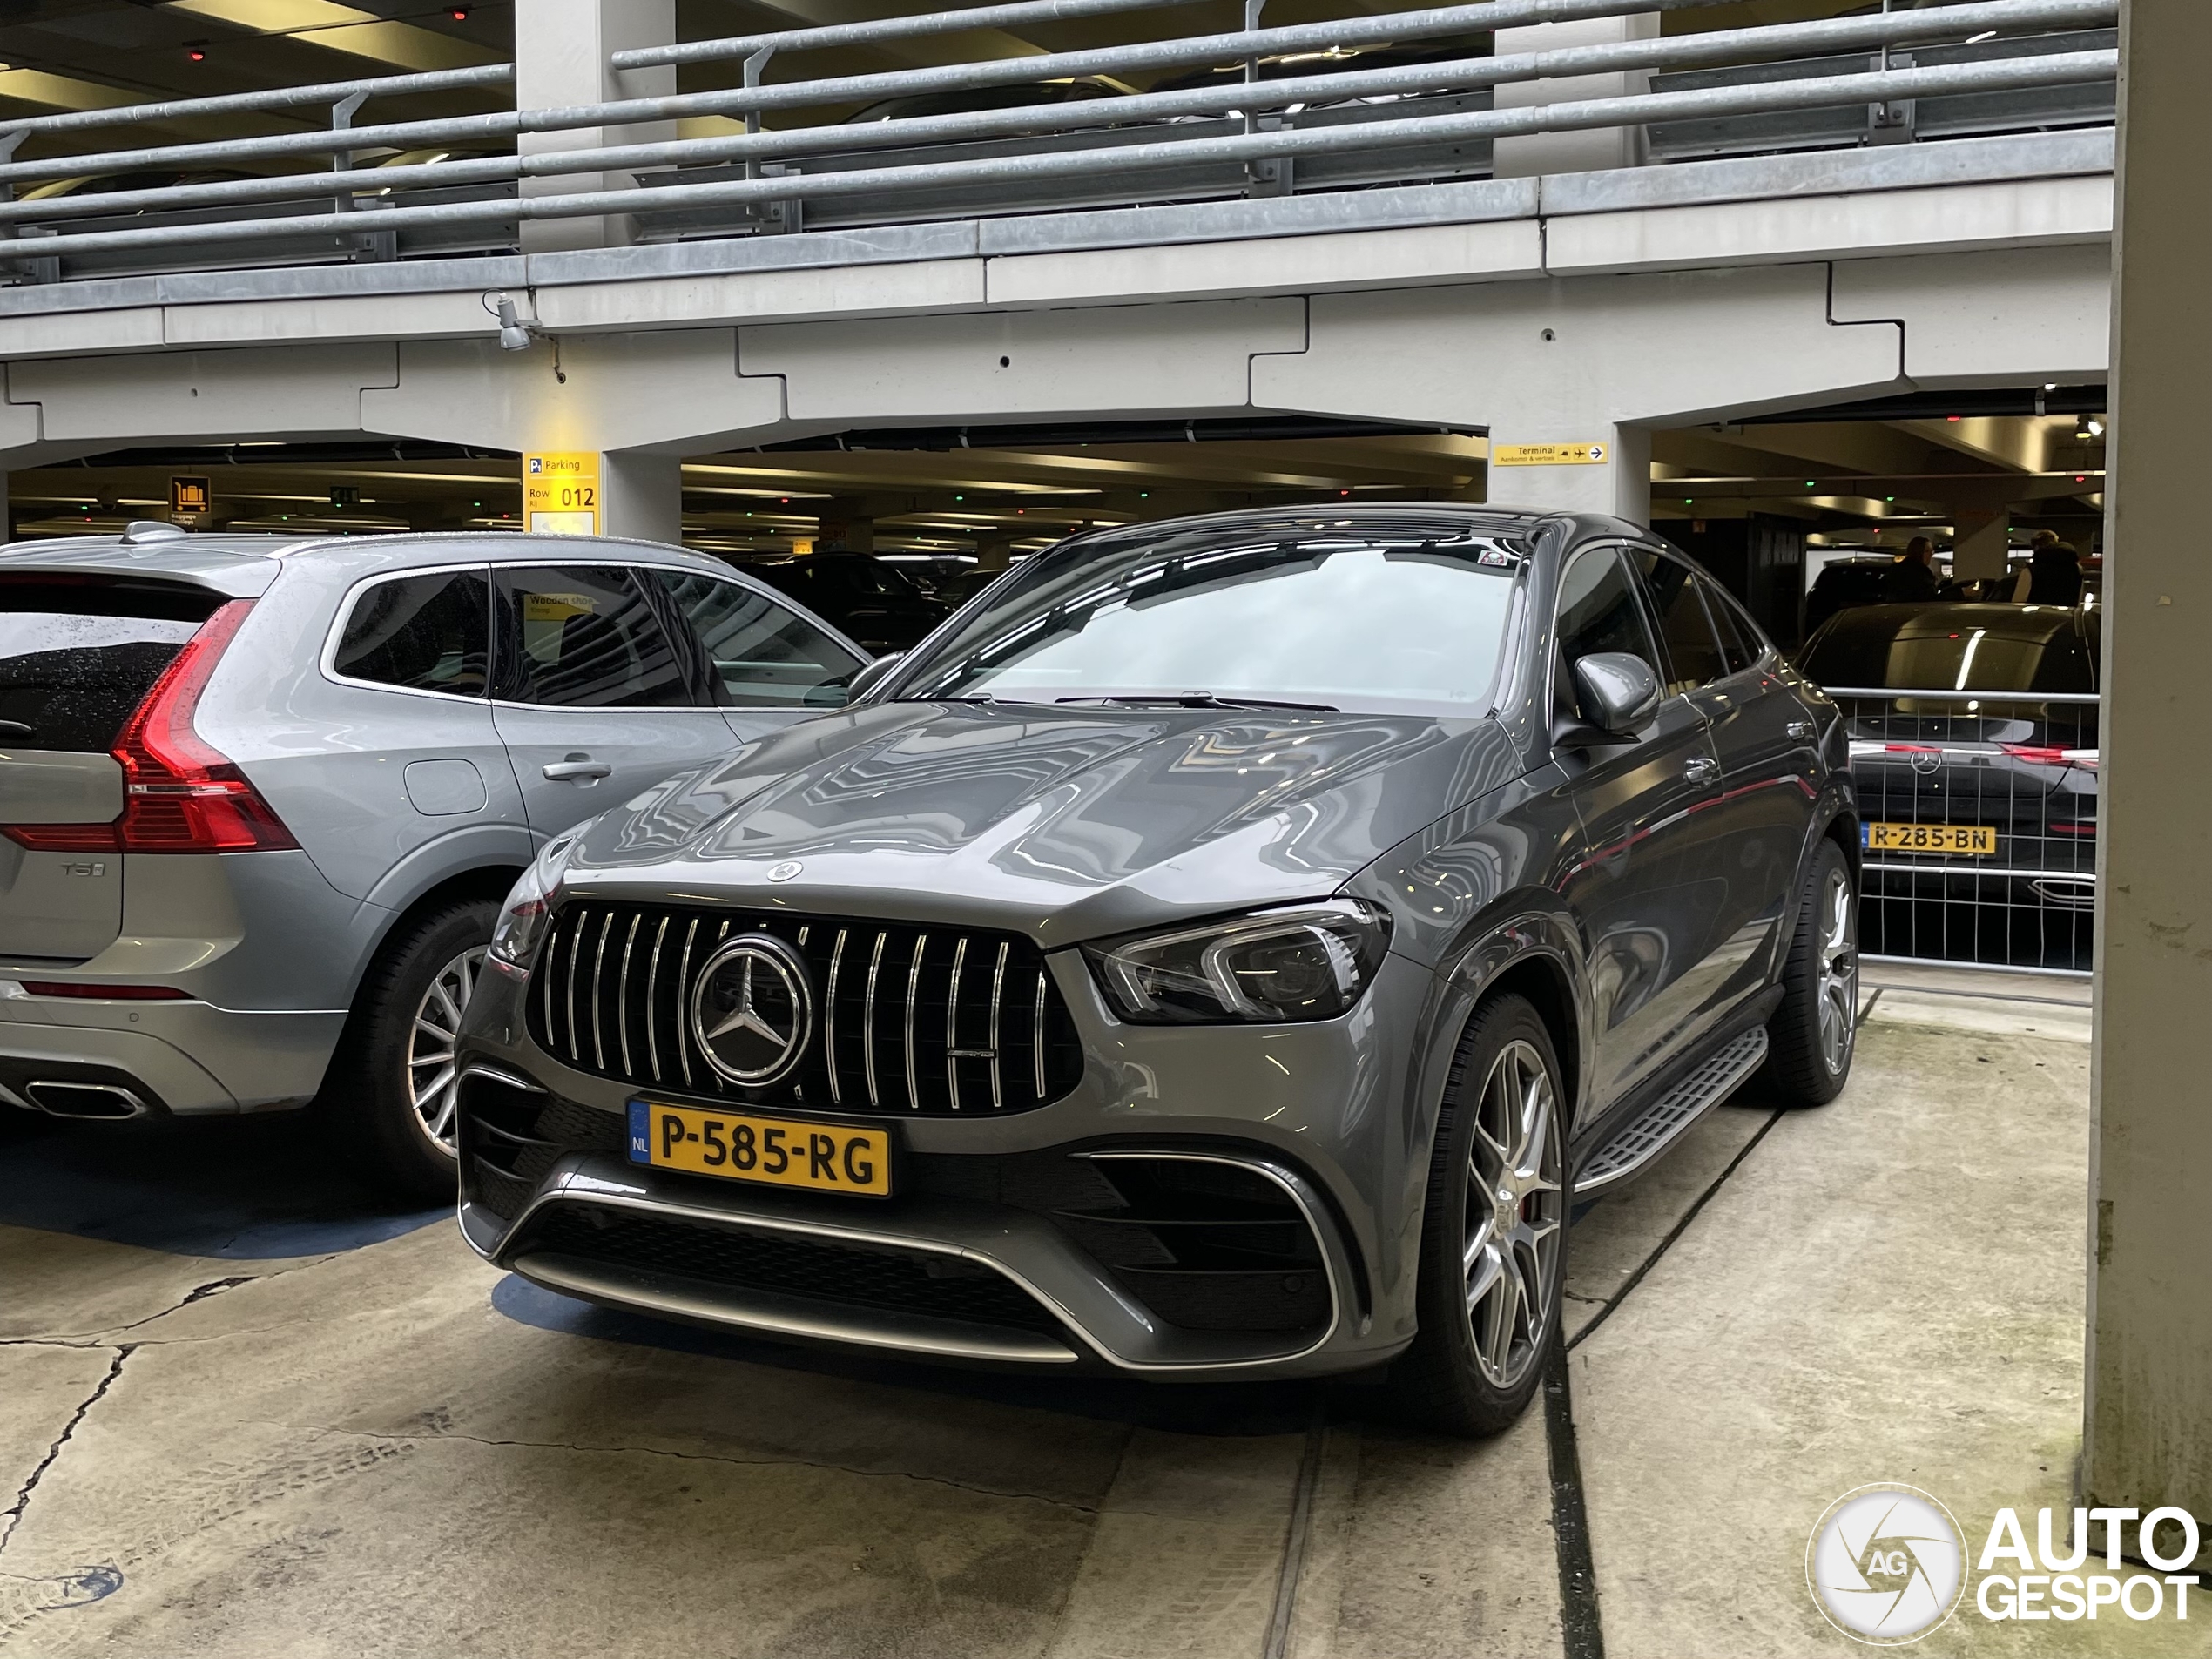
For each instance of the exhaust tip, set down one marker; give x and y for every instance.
(109, 1100)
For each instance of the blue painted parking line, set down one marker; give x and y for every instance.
(236, 1190)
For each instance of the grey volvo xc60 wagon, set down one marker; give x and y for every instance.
(260, 796)
(1224, 948)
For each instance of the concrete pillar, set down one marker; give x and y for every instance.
(1541, 152)
(561, 49)
(2149, 1425)
(1979, 543)
(994, 552)
(644, 495)
(1620, 484)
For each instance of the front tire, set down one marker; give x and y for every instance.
(1812, 1034)
(394, 1085)
(1493, 1231)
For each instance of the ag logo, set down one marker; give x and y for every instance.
(1886, 1564)
(753, 1009)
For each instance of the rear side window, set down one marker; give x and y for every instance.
(77, 654)
(430, 632)
(585, 637)
(1598, 611)
(1692, 646)
(762, 654)
(1742, 643)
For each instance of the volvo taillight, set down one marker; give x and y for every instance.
(179, 794)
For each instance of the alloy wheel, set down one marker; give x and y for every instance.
(433, 1077)
(1839, 999)
(1515, 1210)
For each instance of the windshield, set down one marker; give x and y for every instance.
(1321, 616)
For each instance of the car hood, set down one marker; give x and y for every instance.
(1063, 822)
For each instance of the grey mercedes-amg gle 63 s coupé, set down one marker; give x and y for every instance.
(1227, 947)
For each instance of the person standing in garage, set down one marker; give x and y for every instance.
(1913, 577)
(2054, 573)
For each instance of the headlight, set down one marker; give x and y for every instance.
(523, 916)
(1304, 962)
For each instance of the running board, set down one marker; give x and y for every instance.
(1660, 1124)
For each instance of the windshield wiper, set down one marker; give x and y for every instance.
(1200, 700)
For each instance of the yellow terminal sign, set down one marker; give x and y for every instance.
(1547, 455)
(561, 492)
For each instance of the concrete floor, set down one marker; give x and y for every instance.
(361, 1441)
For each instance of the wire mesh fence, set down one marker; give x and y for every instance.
(1979, 815)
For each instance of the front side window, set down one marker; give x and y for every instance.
(1598, 611)
(585, 637)
(1375, 617)
(1693, 648)
(761, 654)
(428, 632)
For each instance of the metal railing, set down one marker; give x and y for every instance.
(1979, 815)
(1843, 81)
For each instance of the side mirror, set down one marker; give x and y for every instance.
(1619, 691)
(871, 674)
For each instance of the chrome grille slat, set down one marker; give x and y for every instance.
(998, 987)
(952, 1025)
(913, 999)
(683, 988)
(867, 1019)
(622, 992)
(576, 947)
(621, 962)
(1036, 1031)
(652, 999)
(829, 1024)
(598, 980)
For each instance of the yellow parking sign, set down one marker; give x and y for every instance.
(561, 492)
(1547, 455)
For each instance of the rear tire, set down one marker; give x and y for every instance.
(1812, 1034)
(393, 1092)
(1493, 1231)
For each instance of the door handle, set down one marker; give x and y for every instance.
(1702, 769)
(578, 769)
(1800, 729)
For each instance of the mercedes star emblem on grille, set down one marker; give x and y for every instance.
(753, 1009)
(785, 871)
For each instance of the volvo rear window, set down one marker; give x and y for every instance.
(78, 653)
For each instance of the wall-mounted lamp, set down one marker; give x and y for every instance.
(515, 334)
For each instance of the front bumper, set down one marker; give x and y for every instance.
(1318, 1119)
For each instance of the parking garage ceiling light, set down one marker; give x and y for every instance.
(343, 28)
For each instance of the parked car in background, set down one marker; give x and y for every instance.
(1974, 748)
(261, 795)
(1227, 949)
(877, 604)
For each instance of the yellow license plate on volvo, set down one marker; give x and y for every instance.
(1975, 840)
(774, 1151)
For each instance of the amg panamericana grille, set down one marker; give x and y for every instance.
(907, 1018)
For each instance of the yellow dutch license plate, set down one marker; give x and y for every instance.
(1975, 840)
(742, 1146)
